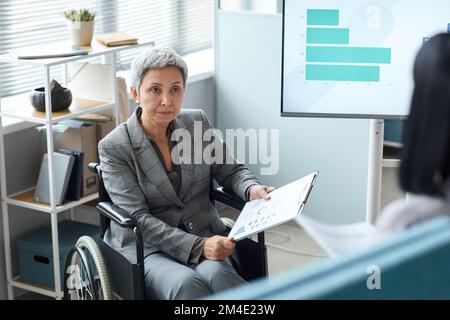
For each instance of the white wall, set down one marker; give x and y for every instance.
(248, 84)
(201, 95)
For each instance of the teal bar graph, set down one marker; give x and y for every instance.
(327, 36)
(348, 54)
(342, 73)
(319, 17)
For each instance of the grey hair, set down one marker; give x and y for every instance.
(155, 58)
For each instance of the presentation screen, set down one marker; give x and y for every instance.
(354, 58)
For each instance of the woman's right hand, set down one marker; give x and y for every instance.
(218, 247)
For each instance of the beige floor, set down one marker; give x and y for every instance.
(288, 247)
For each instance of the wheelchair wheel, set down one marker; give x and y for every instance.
(85, 275)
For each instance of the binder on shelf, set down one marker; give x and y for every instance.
(62, 164)
(76, 178)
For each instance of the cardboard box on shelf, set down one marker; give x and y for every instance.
(104, 128)
(83, 139)
(104, 124)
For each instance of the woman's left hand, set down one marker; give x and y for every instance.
(260, 192)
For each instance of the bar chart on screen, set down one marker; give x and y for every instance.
(355, 58)
(330, 45)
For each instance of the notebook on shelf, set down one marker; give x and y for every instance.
(52, 50)
(62, 165)
(115, 39)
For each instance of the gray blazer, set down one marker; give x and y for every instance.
(137, 182)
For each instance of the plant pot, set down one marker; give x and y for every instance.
(81, 33)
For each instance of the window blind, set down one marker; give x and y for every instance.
(185, 25)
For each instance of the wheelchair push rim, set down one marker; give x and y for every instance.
(85, 275)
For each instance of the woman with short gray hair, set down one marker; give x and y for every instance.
(187, 252)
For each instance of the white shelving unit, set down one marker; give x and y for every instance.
(22, 110)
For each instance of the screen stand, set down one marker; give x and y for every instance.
(376, 139)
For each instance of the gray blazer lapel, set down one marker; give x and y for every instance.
(148, 159)
(187, 169)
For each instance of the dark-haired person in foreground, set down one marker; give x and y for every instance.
(425, 165)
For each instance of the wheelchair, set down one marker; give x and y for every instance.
(95, 271)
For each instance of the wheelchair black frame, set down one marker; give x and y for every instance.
(110, 212)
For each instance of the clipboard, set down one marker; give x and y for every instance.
(285, 204)
(307, 191)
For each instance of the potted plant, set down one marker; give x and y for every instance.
(81, 26)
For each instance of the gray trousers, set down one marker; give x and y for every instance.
(167, 279)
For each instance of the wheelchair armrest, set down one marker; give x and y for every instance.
(93, 167)
(114, 213)
(227, 197)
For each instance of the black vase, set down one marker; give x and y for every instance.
(61, 99)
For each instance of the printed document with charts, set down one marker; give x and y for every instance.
(284, 204)
(337, 240)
